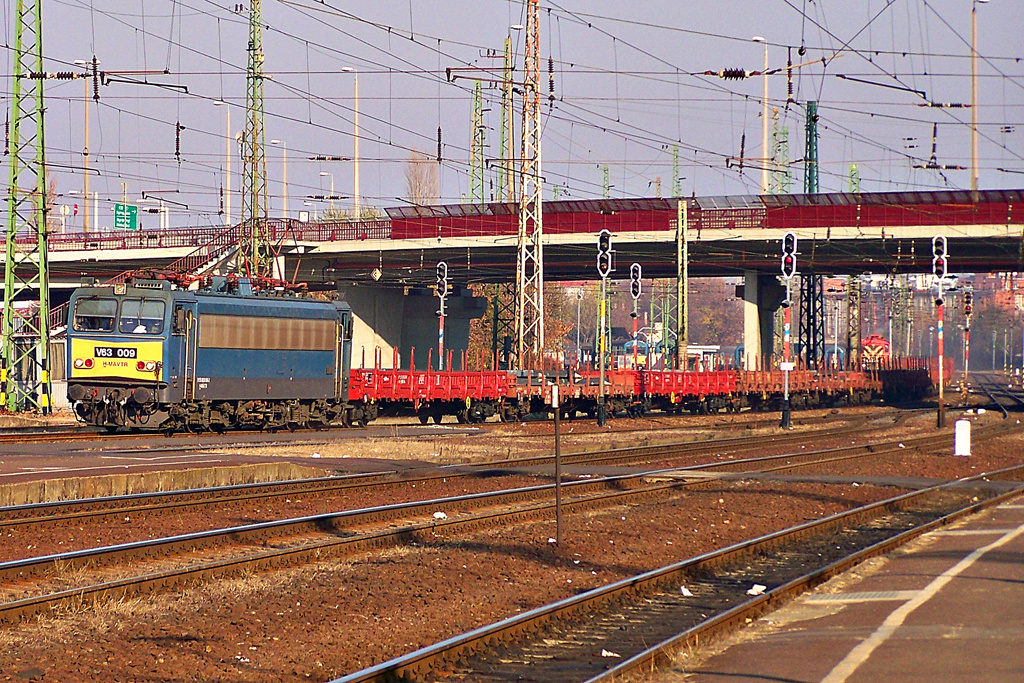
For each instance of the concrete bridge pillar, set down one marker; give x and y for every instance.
(762, 295)
(406, 320)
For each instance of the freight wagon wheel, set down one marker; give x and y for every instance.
(462, 416)
(111, 429)
(424, 418)
(438, 417)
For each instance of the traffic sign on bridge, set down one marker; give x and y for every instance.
(126, 217)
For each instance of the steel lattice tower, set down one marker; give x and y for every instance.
(25, 356)
(811, 149)
(477, 147)
(530, 259)
(255, 257)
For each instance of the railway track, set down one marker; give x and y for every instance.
(640, 622)
(34, 516)
(38, 585)
(643, 621)
(29, 435)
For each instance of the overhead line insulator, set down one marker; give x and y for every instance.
(732, 74)
(551, 80)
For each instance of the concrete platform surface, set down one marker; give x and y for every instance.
(947, 607)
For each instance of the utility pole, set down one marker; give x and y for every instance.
(530, 258)
(255, 258)
(477, 147)
(25, 362)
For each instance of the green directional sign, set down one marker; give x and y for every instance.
(126, 217)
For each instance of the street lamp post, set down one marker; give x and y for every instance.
(974, 98)
(355, 141)
(765, 152)
(284, 176)
(324, 174)
(227, 161)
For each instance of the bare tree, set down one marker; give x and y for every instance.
(421, 179)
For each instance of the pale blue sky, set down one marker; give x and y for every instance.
(624, 85)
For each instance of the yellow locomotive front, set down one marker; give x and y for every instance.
(115, 354)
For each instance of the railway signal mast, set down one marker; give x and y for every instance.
(789, 244)
(968, 311)
(442, 294)
(604, 269)
(939, 270)
(635, 273)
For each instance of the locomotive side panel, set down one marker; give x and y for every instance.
(262, 357)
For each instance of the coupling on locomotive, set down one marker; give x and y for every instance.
(146, 355)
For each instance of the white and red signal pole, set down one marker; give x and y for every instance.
(442, 294)
(939, 269)
(968, 310)
(789, 244)
(635, 273)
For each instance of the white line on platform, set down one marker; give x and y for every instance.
(156, 458)
(874, 596)
(1010, 506)
(52, 470)
(969, 532)
(860, 654)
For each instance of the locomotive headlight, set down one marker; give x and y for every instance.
(140, 366)
(79, 363)
(150, 366)
(87, 363)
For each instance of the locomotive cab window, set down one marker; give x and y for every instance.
(95, 314)
(142, 316)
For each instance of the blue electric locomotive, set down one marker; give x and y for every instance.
(144, 355)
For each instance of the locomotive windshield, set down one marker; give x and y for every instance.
(142, 316)
(95, 314)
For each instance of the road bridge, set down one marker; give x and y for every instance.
(382, 263)
(839, 234)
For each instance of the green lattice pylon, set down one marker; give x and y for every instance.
(811, 150)
(255, 255)
(477, 147)
(25, 356)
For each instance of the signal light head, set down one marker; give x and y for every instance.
(789, 243)
(442, 279)
(604, 253)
